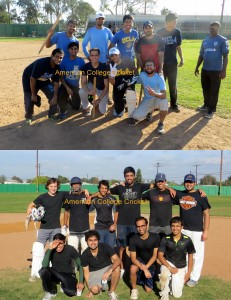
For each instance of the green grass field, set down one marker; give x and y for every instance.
(189, 86)
(17, 203)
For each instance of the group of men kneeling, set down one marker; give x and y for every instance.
(99, 263)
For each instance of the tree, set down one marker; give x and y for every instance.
(94, 180)
(41, 180)
(63, 179)
(208, 180)
(18, 179)
(227, 182)
(138, 176)
(165, 11)
(30, 10)
(81, 9)
(2, 178)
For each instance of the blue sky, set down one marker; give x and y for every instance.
(110, 164)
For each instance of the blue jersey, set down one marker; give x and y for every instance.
(125, 42)
(62, 41)
(98, 38)
(72, 70)
(212, 51)
(156, 82)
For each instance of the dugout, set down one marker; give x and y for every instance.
(192, 27)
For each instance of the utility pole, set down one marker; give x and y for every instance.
(221, 164)
(222, 12)
(157, 167)
(196, 171)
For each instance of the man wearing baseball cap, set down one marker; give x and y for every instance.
(194, 211)
(150, 46)
(214, 55)
(99, 37)
(172, 38)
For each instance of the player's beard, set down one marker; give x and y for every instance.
(150, 72)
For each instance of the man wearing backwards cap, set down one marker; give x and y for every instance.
(121, 69)
(194, 211)
(98, 36)
(150, 46)
(172, 38)
(214, 55)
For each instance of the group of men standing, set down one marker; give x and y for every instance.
(121, 241)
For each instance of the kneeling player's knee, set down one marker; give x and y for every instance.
(95, 289)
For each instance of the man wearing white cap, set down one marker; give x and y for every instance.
(98, 36)
(122, 70)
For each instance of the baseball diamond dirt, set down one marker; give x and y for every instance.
(186, 130)
(12, 232)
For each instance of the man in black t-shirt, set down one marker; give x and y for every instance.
(43, 74)
(100, 264)
(143, 250)
(76, 215)
(61, 256)
(173, 252)
(161, 203)
(91, 70)
(194, 211)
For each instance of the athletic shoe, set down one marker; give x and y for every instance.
(134, 294)
(122, 271)
(89, 110)
(164, 297)
(113, 296)
(149, 117)
(63, 116)
(48, 296)
(53, 117)
(209, 115)
(33, 278)
(175, 108)
(160, 128)
(28, 121)
(202, 108)
(191, 283)
(132, 122)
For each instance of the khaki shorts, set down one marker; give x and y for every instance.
(96, 277)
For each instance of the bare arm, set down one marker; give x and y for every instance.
(151, 91)
(199, 62)
(48, 42)
(29, 207)
(86, 274)
(140, 63)
(164, 262)
(225, 63)
(33, 89)
(103, 93)
(179, 51)
(153, 258)
(160, 61)
(66, 217)
(206, 225)
(54, 98)
(111, 46)
(115, 264)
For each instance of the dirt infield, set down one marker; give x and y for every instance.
(186, 130)
(16, 245)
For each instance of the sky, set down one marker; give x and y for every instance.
(108, 165)
(186, 7)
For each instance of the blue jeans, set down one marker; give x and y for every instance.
(107, 237)
(124, 233)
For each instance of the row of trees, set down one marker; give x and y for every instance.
(206, 180)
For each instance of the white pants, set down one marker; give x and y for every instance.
(76, 240)
(147, 106)
(84, 99)
(198, 257)
(175, 282)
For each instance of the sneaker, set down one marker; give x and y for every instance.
(149, 117)
(63, 116)
(191, 283)
(53, 117)
(121, 114)
(164, 297)
(33, 278)
(89, 110)
(160, 128)
(112, 296)
(134, 294)
(48, 296)
(209, 115)
(122, 271)
(202, 108)
(132, 122)
(28, 121)
(175, 108)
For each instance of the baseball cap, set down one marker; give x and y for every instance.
(170, 17)
(114, 50)
(75, 180)
(148, 23)
(215, 23)
(190, 177)
(100, 14)
(160, 177)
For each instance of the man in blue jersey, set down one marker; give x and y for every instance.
(64, 38)
(154, 96)
(214, 55)
(125, 38)
(98, 36)
(70, 75)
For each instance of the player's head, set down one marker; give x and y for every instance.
(128, 21)
(57, 56)
(189, 182)
(61, 238)
(214, 28)
(76, 184)
(94, 54)
(149, 66)
(92, 238)
(148, 28)
(52, 185)
(100, 18)
(129, 175)
(114, 54)
(176, 224)
(170, 20)
(160, 181)
(141, 225)
(73, 48)
(103, 187)
(71, 26)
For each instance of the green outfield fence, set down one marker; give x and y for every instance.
(25, 30)
(211, 190)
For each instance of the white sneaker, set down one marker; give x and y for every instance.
(134, 294)
(209, 115)
(89, 110)
(33, 278)
(48, 296)
(113, 296)
(122, 271)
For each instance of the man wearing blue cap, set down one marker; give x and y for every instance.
(194, 211)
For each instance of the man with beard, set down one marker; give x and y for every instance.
(64, 38)
(154, 96)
